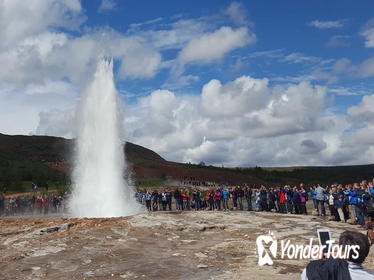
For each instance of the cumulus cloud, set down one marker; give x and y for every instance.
(363, 113)
(20, 21)
(368, 32)
(215, 45)
(326, 24)
(231, 123)
(21, 107)
(240, 122)
(241, 96)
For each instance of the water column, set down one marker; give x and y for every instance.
(99, 187)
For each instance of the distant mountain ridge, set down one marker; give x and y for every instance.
(48, 155)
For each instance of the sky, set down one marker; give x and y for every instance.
(233, 83)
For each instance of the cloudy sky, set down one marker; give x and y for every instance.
(268, 83)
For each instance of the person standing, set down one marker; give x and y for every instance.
(320, 198)
(169, 196)
(248, 197)
(148, 200)
(217, 199)
(296, 200)
(339, 204)
(178, 200)
(225, 199)
(240, 195)
(357, 202)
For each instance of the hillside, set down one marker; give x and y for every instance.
(45, 159)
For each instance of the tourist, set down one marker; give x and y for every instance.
(320, 198)
(240, 195)
(314, 197)
(339, 204)
(248, 197)
(303, 199)
(257, 200)
(148, 199)
(263, 199)
(225, 199)
(289, 196)
(234, 196)
(178, 200)
(330, 201)
(339, 269)
(184, 200)
(211, 200)
(357, 202)
(164, 200)
(169, 196)
(282, 201)
(140, 197)
(217, 199)
(296, 201)
(155, 200)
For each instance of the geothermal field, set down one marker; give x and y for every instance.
(106, 234)
(169, 245)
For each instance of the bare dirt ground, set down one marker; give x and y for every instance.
(161, 245)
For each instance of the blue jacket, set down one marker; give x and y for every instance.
(314, 194)
(289, 195)
(356, 198)
(225, 194)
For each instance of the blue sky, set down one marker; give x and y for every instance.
(227, 82)
(281, 27)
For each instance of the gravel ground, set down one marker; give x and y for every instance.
(160, 245)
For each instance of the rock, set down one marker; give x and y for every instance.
(202, 266)
(89, 273)
(200, 255)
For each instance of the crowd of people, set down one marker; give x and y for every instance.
(31, 204)
(343, 202)
(349, 202)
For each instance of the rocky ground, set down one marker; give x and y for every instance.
(162, 245)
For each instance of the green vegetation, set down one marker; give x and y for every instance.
(17, 176)
(149, 182)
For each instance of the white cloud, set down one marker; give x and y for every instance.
(339, 41)
(215, 45)
(19, 21)
(273, 125)
(107, 5)
(368, 32)
(326, 24)
(235, 98)
(363, 113)
(243, 121)
(234, 123)
(300, 58)
(237, 12)
(20, 107)
(171, 36)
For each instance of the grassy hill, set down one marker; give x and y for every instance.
(48, 160)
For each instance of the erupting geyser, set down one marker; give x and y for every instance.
(99, 187)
